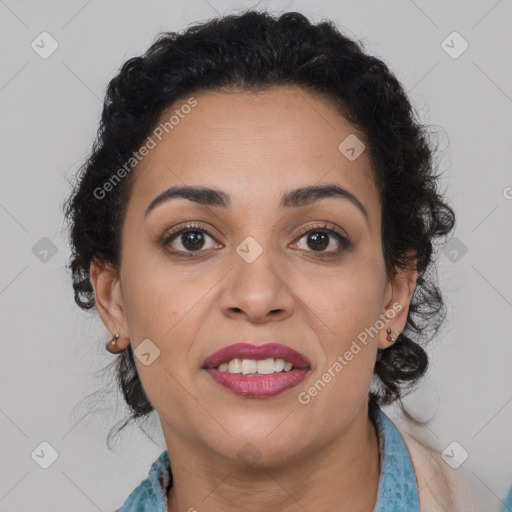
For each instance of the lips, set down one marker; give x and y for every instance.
(265, 386)
(257, 352)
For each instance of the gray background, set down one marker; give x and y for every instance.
(52, 352)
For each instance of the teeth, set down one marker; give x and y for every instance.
(266, 366)
(252, 366)
(235, 366)
(249, 366)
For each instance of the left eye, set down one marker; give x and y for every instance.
(321, 239)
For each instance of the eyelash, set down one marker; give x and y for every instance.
(192, 227)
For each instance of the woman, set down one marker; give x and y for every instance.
(255, 227)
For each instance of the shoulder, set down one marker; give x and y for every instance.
(440, 488)
(507, 503)
(151, 494)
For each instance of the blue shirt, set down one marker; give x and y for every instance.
(398, 487)
(507, 504)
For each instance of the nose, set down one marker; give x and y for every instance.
(257, 291)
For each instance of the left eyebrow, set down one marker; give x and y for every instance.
(304, 196)
(307, 195)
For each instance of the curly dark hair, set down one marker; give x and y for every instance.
(252, 51)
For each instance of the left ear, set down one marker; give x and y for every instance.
(399, 291)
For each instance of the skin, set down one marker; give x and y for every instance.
(255, 147)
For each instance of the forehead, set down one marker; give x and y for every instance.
(256, 145)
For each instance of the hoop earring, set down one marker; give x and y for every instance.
(112, 346)
(389, 338)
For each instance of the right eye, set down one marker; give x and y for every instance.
(187, 240)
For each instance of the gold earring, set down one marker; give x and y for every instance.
(389, 338)
(112, 346)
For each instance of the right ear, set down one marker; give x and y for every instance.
(109, 299)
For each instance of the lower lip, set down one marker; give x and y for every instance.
(263, 386)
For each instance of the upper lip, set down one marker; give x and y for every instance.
(249, 351)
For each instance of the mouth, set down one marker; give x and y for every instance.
(257, 371)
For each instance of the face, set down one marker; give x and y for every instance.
(302, 270)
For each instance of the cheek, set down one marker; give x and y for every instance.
(349, 306)
(163, 307)
(159, 298)
(349, 303)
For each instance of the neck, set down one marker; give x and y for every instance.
(344, 470)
